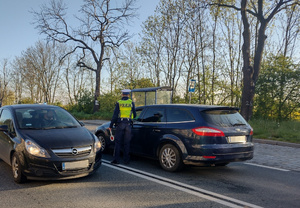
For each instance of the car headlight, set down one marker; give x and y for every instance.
(97, 144)
(36, 150)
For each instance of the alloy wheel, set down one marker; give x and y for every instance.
(168, 158)
(15, 167)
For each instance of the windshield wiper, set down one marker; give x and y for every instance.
(238, 124)
(59, 127)
(51, 127)
(65, 127)
(31, 128)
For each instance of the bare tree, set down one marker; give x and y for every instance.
(39, 69)
(101, 27)
(152, 46)
(3, 80)
(251, 67)
(289, 25)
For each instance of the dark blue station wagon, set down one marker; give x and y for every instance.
(181, 134)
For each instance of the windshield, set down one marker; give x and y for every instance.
(224, 118)
(45, 118)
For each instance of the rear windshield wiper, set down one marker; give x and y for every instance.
(238, 124)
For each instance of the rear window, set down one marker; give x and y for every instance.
(224, 118)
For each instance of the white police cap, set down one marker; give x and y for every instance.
(126, 91)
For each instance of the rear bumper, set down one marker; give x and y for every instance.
(220, 154)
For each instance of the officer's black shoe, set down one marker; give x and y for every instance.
(114, 162)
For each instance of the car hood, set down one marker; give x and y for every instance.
(60, 138)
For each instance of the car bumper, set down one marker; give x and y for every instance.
(43, 169)
(220, 154)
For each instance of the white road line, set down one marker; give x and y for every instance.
(264, 166)
(202, 193)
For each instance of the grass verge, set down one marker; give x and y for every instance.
(286, 131)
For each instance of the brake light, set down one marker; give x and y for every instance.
(208, 131)
(251, 132)
(209, 157)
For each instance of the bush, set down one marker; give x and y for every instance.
(85, 103)
(108, 102)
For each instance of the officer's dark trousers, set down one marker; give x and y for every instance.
(123, 133)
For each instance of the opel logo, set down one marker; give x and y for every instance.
(74, 151)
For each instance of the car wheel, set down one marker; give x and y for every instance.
(18, 175)
(103, 142)
(169, 158)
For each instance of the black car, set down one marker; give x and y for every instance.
(178, 134)
(46, 142)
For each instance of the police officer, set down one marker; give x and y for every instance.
(123, 113)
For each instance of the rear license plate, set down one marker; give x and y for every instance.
(236, 139)
(75, 165)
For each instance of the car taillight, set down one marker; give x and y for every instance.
(208, 131)
(209, 157)
(251, 132)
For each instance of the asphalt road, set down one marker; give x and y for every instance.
(143, 183)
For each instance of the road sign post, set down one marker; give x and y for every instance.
(192, 85)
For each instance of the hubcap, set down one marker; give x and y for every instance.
(168, 158)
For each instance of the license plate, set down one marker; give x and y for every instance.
(236, 139)
(75, 165)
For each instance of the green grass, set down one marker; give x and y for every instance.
(286, 131)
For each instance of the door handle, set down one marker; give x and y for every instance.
(156, 130)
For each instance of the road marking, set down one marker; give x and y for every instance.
(218, 198)
(269, 167)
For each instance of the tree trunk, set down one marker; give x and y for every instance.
(248, 93)
(97, 90)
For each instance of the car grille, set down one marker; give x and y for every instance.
(73, 152)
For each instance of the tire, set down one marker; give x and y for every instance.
(17, 171)
(170, 158)
(103, 142)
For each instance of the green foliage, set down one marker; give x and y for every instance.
(287, 131)
(84, 104)
(26, 100)
(107, 102)
(93, 116)
(277, 90)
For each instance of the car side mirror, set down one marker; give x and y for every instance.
(81, 123)
(4, 128)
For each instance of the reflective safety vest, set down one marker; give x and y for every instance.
(125, 108)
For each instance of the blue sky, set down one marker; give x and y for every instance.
(18, 33)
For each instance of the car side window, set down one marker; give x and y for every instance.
(178, 115)
(154, 115)
(138, 114)
(6, 119)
